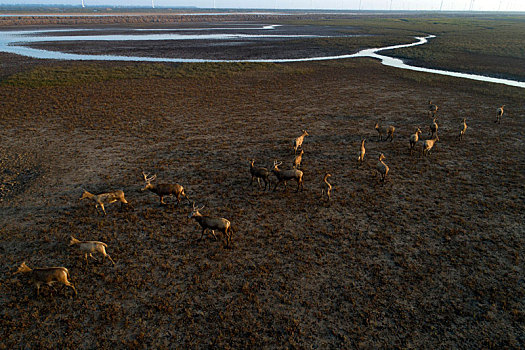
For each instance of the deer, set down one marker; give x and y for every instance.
(298, 142)
(212, 223)
(285, 175)
(432, 108)
(297, 160)
(326, 187)
(414, 138)
(47, 276)
(380, 130)
(90, 247)
(463, 129)
(382, 168)
(433, 128)
(260, 173)
(162, 190)
(362, 152)
(428, 144)
(499, 114)
(105, 198)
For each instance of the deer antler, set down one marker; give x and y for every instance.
(150, 178)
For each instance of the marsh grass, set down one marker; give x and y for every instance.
(485, 44)
(55, 75)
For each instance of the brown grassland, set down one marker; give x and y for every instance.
(432, 258)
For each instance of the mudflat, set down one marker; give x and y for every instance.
(431, 258)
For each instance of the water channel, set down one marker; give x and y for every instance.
(16, 42)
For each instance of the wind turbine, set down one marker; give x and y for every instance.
(152, 4)
(471, 5)
(391, 5)
(441, 6)
(359, 5)
(83, 4)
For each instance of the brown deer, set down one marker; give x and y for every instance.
(298, 142)
(285, 175)
(390, 133)
(362, 152)
(105, 198)
(433, 128)
(326, 187)
(382, 168)
(499, 114)
(162, 190)
(428, 144)
(260, 173)
(297, 160)
(414, 138)
(212, 223)
(463, 129)
(432, 108)
(47, 276)
(90, 247)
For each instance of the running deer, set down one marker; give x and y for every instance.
(380, 130)
(432, 108)
(47, 276)
(499, 114)
(326, 187)
(260, 173)
(414, 138)
(162, 190)
(212, 223)
(298, 142)
(463, 129)
(433, 128)
(297, 160)
(90, 247)
(382, 168)
(428, 144)
(285, 175)
(362, 152)
(105, 198)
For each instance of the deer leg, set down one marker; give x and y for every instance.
(91, 256)
(104, 210)
(162, 200)
(70, 285)
(213, 234)
(228, 239)
(202, 235)
(109, 257)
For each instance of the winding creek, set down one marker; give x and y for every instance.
(15, 42)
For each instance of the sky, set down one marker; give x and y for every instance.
(445, 5)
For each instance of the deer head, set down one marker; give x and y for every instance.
(148, 180)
